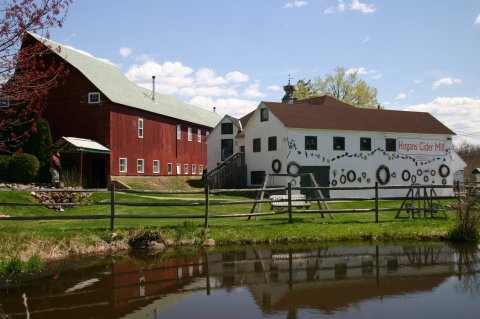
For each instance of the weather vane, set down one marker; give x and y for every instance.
(289, 78)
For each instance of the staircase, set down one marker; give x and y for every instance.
(231, 173)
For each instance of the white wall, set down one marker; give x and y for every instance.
(214, 143)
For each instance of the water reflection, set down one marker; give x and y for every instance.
(267, 282)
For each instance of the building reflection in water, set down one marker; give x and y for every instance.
(279, 280)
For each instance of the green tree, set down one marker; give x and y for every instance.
(344, 86)
(39, 144)
(304, 90)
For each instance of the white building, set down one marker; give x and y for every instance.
(342, 145)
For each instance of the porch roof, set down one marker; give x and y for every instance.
(76, 144)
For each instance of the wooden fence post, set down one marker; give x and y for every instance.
(112, 205)
(376, 202)
(289, 194)
(207, 190)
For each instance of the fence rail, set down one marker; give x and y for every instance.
(205, 203)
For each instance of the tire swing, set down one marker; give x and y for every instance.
(276, 166)
(351, 176)
(293, 168)
(386, 179)
(443, 170)
(406, 176)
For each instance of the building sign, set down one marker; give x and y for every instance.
(416, 146)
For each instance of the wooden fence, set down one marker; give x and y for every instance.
(420, 194)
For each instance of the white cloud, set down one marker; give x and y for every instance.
(477, 21)
(417, 81)
(401, 96)
(364, 8)
(207, 91)
(295, 4)
(457, 113)
(208, 77)
(366, 39)
(275, 88)
(236, 77)
(252, 91)
(125, 52)
(168, 73)
(445, 81)
(335, 9)
(373, 73)
(231, 106)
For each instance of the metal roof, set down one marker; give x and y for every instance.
(118, 89)
(75, 144)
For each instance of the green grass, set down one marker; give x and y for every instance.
(53, 238)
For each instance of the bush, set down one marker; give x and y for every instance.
(70, 177)
(23, 168)
(3, 167)
(467, 219)
(39, 144)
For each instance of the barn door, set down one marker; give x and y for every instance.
(322, 176)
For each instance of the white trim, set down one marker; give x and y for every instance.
(185, 169)
(179, 131)
(169, 168)
(179, 169)
(140, 166)
(189, 136)
(120, 165)
(140, 128)
(194, 169)
(199, 135)
(156, 167)
(200, 169)
(93, 97)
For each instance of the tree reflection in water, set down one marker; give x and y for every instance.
(468, 269)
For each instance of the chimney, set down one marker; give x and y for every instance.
(214, 109)
(153, 87)
(289, 97)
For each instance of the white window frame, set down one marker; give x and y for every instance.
(120, 165)
(199, 135)
(185, 169)
(169, 168)
(200, 169)
(93, 97)
(189, 136)
(156, 167)
(140, 128)
(194, 169)
(4, 102)
(140, 166)
(179, 131)
(179, 169)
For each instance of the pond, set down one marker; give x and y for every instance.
(364, 281)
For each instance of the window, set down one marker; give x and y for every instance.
(365, 144)
(194, 169)
(199, 136)
(390, 145)
(272, 143)
(93, 97)
(310, 142)
(227, 128)
(169, 168)
(156, 166)
(179, 132)
(256, 177)
(122, 165)
(4, 102)
(263, 115)
(140, 128)
(179, 169)
(140, 166)
(226, 148)
(339, 143)
(189, 136)
(185, 169)
(257, 147)
(200, 169)
(242, 149)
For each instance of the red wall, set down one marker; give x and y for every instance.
(159, 142)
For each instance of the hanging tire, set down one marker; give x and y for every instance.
(380, 180)
(343, 179)
(443, 170)
(293, 165)
(433, 172)
(406, 176)
(425, 178)
(334, 182)
(444, 181)
(276, 166)
(351, 176)
(414, 179)
(419, 172)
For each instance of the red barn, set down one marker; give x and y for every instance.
(146, 133)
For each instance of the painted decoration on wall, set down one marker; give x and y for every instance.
(343, 179)
(276, 166)
(383, 175)
(406, 176)
(351, 176)
(443, 170)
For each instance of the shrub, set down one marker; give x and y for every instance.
(39, 144)
(3, 167)
(467, 220)
(23, 168)
(70, 177)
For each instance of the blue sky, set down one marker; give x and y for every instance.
(421, 55)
